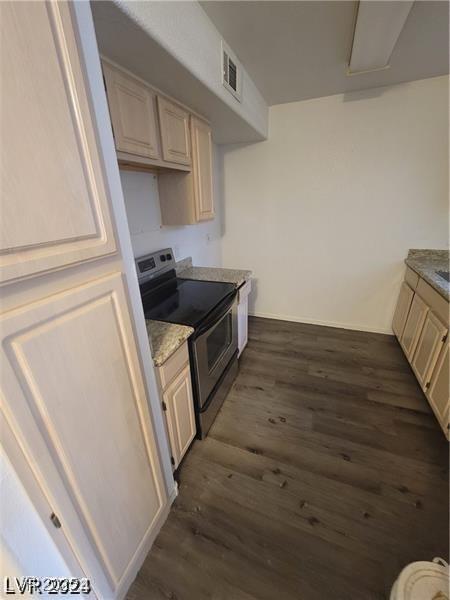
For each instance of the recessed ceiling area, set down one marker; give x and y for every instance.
(297, 50)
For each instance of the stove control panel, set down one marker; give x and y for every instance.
(153, 264)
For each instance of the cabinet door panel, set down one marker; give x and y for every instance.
(202, 169)
(57, 210)
(70, 362)
(439, 391)
(180, 414)
(402, 309)
(413, 327)
(428, 348)
(132, 110)
(175, 137)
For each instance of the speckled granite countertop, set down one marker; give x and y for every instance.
(166, 338)
(235, 276)
(426, 262)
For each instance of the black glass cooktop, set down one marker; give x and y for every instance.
(184, 301)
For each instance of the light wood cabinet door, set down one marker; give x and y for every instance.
(413, 327)
(175, 136)
(438, 392)
(202, 169)
(402, 309)
(132, 107)
(428, 348)
(179, 408)
(71, 379)
(55, 201)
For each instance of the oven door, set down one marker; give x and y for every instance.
(213, 347)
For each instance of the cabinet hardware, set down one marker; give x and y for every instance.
(172, 460)
(164, 405)
(444, 339)
(54, 519)
(427, 385)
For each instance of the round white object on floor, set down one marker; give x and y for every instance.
(422, 580)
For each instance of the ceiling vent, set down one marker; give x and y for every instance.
(231, 72)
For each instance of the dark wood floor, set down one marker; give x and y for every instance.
(324, 474)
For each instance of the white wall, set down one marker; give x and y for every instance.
(324, 212)
(26, 549)
(201, 241)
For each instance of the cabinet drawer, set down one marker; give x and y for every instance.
(173, 365)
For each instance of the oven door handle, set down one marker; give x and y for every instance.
(216, 315)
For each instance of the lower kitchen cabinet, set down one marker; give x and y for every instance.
(430, 343)
(178, 403)
(438, 389)
(421, 325)
(402, 309)
(413, 327)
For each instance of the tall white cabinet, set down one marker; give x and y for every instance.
(77, 425)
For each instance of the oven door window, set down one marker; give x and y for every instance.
(218, 341)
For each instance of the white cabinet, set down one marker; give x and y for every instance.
(242, 311)
(178, 403)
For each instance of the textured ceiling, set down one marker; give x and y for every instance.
(299, 50)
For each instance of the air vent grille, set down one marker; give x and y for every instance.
(231, 73)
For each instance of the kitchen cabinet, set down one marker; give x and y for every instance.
(402, 309)
(132, 107)
(187, 198)
(429, 345)
(178, 403)
(413, 326)
(202, 169)
(73, 392)
(421, 325)
(438, 390)
(175, 135)
(55, 209)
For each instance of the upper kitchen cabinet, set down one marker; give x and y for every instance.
(58, 211)
(187, 198)
(133, 115)
(202, 168)
(175, 138)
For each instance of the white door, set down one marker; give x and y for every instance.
(73, 392)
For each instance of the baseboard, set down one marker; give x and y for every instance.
(307, 321)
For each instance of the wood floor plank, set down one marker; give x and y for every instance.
(324, 474)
